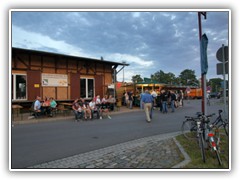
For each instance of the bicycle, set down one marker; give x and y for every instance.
(213, 138)
(189, 126)
(207, 134)
(192, 127)
(219, 122)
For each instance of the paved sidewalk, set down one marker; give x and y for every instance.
(27, 119)
(155, 152)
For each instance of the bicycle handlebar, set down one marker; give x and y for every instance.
(210, 115)
(193, 118)
(199, 117)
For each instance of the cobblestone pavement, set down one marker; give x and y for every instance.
(155, 152)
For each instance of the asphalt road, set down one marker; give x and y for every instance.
(33, 144)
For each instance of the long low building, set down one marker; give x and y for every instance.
(60, 76)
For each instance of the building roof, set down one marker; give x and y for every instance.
(21, 50)
(150, 81)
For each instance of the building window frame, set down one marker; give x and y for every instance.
(14, 87)
(87, 95)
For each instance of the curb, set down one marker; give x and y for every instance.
(186, 156)
(34, 121)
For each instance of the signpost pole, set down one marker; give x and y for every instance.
(203, 77)
(224, 82)
(222, 56)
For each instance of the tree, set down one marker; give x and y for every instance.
(188, 77)
(158, 76)
(137, 78)
(167, 78)
(177, 81)
(215, 84)
(170, 78)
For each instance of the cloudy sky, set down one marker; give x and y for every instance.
(149, 41)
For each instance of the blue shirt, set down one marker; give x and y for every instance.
(147, 98)
(37, 105)
(141, 96)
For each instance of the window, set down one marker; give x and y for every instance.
(87, 88)
(19, 87)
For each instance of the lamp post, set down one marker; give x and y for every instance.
(124, 62)
(114, 92)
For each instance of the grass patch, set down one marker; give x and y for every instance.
(192, 149)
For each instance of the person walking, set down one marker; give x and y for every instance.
(181, 96)
(141, 102)
(147, 99)
(151, 111)
(130, 99)
(173, 99)
(154, 95)
(160, 101)
(126, 99)
(208, 99)
(164, 101)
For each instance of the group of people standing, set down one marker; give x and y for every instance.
(170, 98)
(82, 108)
(149, 100)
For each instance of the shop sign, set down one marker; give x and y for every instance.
(54, 80)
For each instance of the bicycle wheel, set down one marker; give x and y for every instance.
(214, 146)
(216, 131)
(218, 157)
(201, 146)
(189, 129)
(226, 128)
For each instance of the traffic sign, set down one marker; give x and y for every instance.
(209, 89)
(220, 68)
(219, 54)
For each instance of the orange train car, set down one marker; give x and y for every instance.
(194, 93)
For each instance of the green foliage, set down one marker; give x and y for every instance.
(160, 76)
(215, 83)
(192, 149)
(137, 78)
(186, 77)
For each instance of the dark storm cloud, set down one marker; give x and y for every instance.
(159, 40)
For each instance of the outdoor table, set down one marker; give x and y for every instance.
(67, 105)
(17, 108)
(45, 108)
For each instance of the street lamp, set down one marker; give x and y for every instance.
(124, 62)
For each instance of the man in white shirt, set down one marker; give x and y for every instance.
(37, 106)
(98, 100)
(92, 106)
